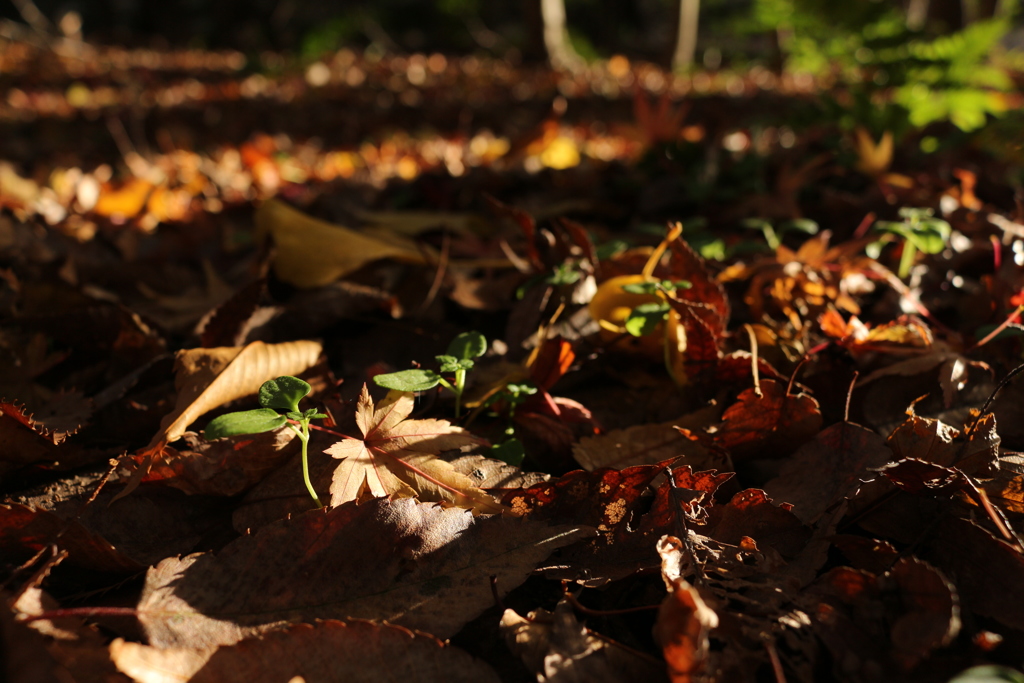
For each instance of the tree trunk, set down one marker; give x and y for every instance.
(561, 54)
(686, 38)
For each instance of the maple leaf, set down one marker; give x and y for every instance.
(398, 457)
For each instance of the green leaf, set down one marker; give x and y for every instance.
(804, 225)
(452, 364)
(467, 346)
(409, 380)
(245, 422)
(930, 236)
(644, 319)
(283, 394)
(988, 673)
(510, 451)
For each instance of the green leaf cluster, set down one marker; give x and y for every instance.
(457, 360)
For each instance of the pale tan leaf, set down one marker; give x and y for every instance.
(398, 457)
(209, 378)
(488, 473)
(145, 664)
(313, 253)
(414, 564)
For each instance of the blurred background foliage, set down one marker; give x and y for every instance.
(899, 65)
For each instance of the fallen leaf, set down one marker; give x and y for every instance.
(770, 425)
(24, 531)
(209, 378)
(685, 622)
(352, 651)
(646, 444)
(414, 564)
(312, 253)
(558, 649)
(398, 457)
(828, 469)
(751, 514)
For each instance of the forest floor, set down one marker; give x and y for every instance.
(773, 445)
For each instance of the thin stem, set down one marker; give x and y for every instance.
(303, 435)
(907, 259)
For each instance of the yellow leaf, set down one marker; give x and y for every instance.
(873, 158)
(398, 457)
(313, 253)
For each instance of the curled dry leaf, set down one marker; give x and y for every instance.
(684, 620)
(352, 651)
(414, 564)
(312, 253)
(398, 457)
(209, 378)
(557, 648)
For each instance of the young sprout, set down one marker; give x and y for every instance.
(512, 395)
(919, 231)
(280, 400)
(456, 362)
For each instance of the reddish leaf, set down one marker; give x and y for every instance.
(770, 425)
(751, 514)
(24, 531)
(707, 295)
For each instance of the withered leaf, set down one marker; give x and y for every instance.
(828, 468)
(209, 378)
(975, 450)
(398, 457)
(25, 530)
(414, 564)
(559, 649)
(751, 513)
(352, 651)
(769, 425)
(647, 444)
(224, 467)
(685, 621)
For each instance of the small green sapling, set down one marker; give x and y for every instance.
(280, 400)
(457, 361)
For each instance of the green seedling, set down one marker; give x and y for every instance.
(645, 318)
(773, 236)
(919, 231)
(280, 400)
(513, 395)
(457, 361)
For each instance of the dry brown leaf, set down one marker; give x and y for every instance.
(352, 651)
(312, 253)
(398, 457)
(559, 649)
(488, 473)
(414, 564)
(828, 468)
(209, 378)
(647, 444)
(684, 619)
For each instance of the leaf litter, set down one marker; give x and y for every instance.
(758, 490)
